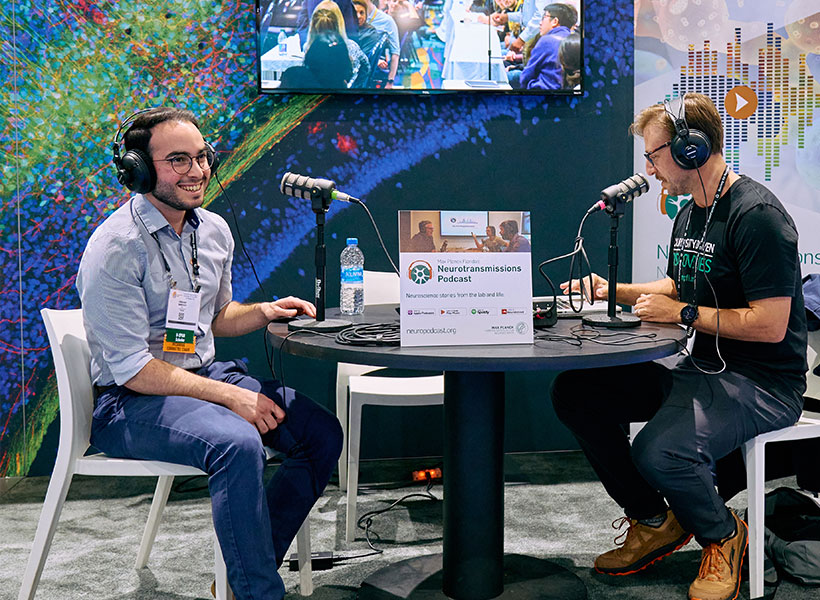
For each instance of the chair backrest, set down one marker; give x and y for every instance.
(72, 365)
(381, 287)
(813, 358)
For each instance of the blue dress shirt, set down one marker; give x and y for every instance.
(123, 286)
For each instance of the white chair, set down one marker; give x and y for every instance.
(755, 452)
(355, 387)
(72, 365)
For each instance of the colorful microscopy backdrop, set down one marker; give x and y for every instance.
(72, 71)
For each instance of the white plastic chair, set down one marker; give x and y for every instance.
(755, 452)
(72, 358)
(355, 387)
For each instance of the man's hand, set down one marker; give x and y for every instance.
(256, 408)
(517, 45)
(658, 308)
(382, 64)
(499, 18)
(599, 291)
(288, 308)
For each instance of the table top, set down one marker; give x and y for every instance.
(558, 350)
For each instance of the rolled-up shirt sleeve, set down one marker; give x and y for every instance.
(115, 310)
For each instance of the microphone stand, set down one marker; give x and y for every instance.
(320, 202)
(490, 44)
(611, 319)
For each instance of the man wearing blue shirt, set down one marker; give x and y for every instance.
(155, 285)
(383, 22)
(544, 71)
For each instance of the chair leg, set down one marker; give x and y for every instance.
(304, 557)
(354, 434)
(755, 481)
(49, 516)
(341, 414)
(223, 590)
(154, 517)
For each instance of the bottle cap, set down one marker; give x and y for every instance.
(354, 241)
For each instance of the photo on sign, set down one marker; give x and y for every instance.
(464, 231)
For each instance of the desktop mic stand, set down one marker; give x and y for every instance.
(611, 319)
(320, 201)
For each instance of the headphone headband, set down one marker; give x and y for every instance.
(135, 169)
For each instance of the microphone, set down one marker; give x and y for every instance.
(623, 191)
(308, 188)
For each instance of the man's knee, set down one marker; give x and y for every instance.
(657, 457)
(326, 434)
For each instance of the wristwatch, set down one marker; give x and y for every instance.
(689, 314)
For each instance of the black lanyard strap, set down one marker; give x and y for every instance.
(699, 247)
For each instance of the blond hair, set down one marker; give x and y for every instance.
(326, 17)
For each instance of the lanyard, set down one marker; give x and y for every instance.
(699, 247)
(194, 261)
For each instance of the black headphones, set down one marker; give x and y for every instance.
(690, 148)
(135, 169)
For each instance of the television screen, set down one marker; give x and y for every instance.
(421, 46)
(463, 222)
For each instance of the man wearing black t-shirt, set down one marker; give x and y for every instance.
(733, 277)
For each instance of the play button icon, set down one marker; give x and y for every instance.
(740, 102)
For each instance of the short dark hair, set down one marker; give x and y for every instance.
(700, 113)
(510, 225)
(565, 13)
(423, 225)
(138, 135)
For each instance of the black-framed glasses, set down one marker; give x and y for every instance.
(182, 163)
(648, 155)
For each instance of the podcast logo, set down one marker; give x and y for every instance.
(670, 205)
(420, 272)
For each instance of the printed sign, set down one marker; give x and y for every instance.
(460, 288)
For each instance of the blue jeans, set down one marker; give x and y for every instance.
(255, 524)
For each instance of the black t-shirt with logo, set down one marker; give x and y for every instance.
(749, 253)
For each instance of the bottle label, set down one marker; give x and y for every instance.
(352, 274)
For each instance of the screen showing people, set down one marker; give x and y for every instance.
(526, 46)
(464, 231)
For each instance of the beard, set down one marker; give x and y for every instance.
(170, 196)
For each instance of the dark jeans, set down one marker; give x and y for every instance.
(255, 524)
(693, 420)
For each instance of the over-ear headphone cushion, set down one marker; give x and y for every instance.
(691, 151)
(136, 171)
(215, 160)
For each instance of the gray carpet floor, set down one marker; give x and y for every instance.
(555, 509)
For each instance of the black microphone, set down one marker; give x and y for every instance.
(623, 191)
(308, 188)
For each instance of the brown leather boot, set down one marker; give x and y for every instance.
(641, 545)
(720, 562)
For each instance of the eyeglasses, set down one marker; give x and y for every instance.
(182, 163)
(648, 155)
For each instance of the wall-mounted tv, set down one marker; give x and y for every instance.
(419, 47)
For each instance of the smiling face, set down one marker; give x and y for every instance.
(179, 192)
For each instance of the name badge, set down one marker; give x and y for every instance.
(181, 321)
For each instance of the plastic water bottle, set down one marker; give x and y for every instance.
(282, 40)
(351, 298)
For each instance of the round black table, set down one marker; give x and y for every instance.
(473, 563)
